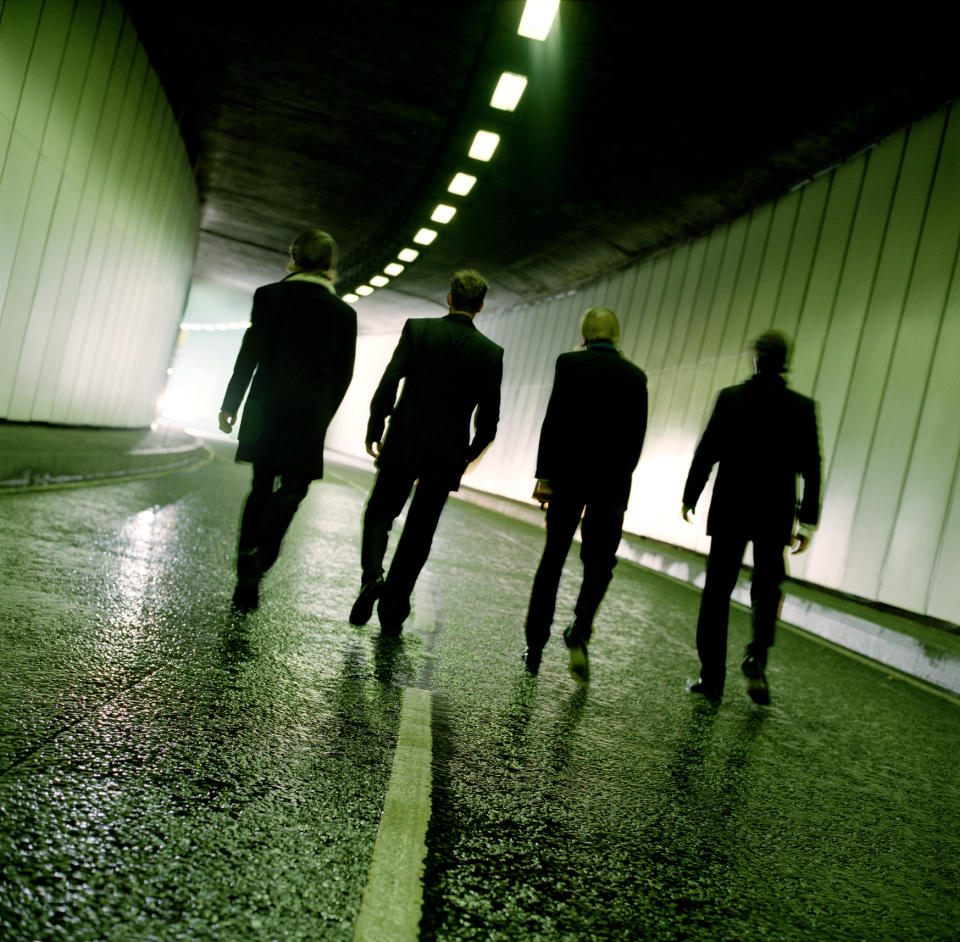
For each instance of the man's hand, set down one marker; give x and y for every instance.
(373, 449)
(226, 420)
(687, 511)
(802, 542)
(542, 492)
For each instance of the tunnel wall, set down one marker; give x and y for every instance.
(98, 217)
(859, 265)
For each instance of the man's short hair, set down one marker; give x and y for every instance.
(600, 323)
(771, 350)
(313, 250)
(468, 288)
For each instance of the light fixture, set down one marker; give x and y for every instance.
(461, 184)
(424, 237)
(378, 281)
(443, 213)
(393, 269)
(507, 94)
(363, 290)
(537, 18)
(408, 255)
(484, 144)
(351, 298)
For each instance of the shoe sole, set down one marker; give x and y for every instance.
(362, 610)
(580, 666)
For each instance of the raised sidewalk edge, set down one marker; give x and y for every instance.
(33, 456)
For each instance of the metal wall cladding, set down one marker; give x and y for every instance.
(859, 266)
(98, 218)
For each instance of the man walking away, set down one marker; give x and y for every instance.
(301, 342)
(590, 443)
(761, 435)
(449, 370)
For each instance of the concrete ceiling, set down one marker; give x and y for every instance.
(636, 130)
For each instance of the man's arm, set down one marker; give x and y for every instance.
(247, 359)
(706, 455)
(345, 363)
(551, 431)
(488, 412)
(808, 516)
(385, 397)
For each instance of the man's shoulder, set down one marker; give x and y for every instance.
(612, 361)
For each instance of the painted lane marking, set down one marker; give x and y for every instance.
(393, 898)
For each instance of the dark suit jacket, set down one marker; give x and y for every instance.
(763, 435)
(449, 369)
(596, 420)
(301, 342)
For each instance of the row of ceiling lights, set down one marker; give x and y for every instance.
(535, 23)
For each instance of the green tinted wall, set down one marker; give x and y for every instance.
(98, 217)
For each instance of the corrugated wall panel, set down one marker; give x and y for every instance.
(91, 164)
(922, 390)
(889, 404)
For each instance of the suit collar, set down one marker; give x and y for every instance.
(602, 345)
(456, 317)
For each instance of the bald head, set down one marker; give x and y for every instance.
(599, 323)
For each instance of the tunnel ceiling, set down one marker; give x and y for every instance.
(636, 130)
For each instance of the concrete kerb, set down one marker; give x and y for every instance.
(34, 458)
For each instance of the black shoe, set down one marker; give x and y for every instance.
(710, 691)
(579, 660)
(580, 665)
(391, 616)
(363, 607)
(531, 660)
(757, 688)
(246, 596)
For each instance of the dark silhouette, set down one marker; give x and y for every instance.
(761, 435)
(590, 442)
(449, 369)
(301, 342)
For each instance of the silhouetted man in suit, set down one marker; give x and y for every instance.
(299, 349)
(761, 435)
(449, 370)
(590, 442)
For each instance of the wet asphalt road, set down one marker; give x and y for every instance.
(169, 771)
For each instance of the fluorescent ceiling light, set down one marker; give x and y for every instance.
(424, 237)
(393, 269)
(507, 94)
(378, 281)
(408, 255)
(461, 184)
(484, 144)
(537, 18)
(443, 213)
(350, 298)
(364, 290)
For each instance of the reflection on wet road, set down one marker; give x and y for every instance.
(170, 771)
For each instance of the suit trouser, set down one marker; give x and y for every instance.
(600, 536)
(267, 513)
(723, 569)
(390, 492)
